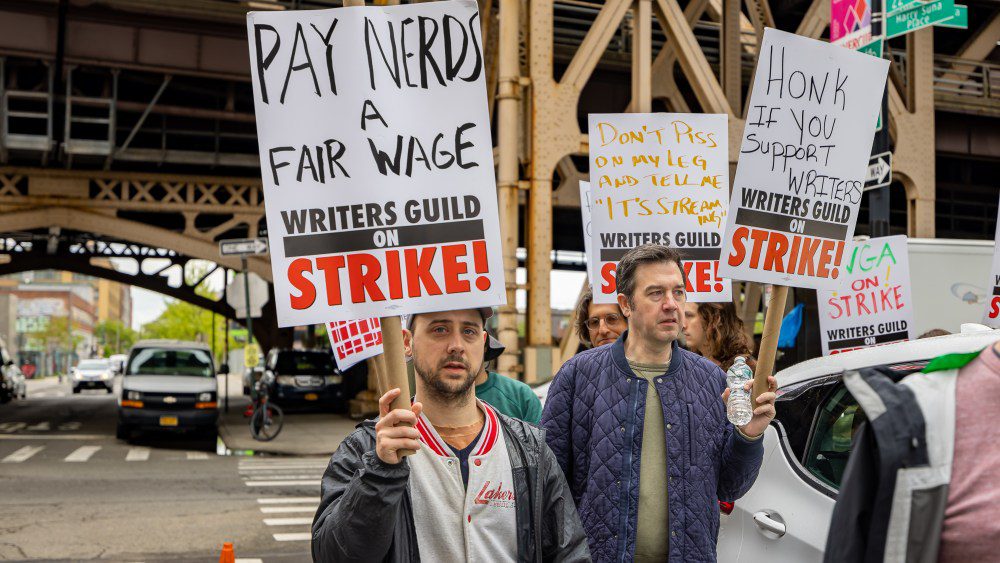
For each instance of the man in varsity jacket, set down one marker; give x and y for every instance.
(480, 487)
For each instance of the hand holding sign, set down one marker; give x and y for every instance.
(395, 435)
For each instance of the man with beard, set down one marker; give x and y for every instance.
(480, 486)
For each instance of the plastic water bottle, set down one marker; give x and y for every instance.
(738, 410)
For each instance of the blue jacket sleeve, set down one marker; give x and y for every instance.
(741, 459)
(557, 417)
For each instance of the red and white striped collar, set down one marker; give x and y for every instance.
(487, 438)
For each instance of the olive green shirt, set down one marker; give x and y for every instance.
(651, 538)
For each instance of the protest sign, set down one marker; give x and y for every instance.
(585, 216)
(850, 23)
(874, 303)
(377, 160)
(354, 341)
(803, 162)
(660, 178)
(992, 315)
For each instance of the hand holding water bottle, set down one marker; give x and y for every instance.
(739, 380)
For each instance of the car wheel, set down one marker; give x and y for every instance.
(123, 432)
(110, 390)
(246, 390)
(76, 390)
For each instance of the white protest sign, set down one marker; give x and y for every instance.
(354, 341)
(803, 161)
(992, 315)
(874, 303)
(660, 178)
(585, 215)
(377, 160)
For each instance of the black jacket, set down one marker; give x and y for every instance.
(365, 512)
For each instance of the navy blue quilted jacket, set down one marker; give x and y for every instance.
(593, 420)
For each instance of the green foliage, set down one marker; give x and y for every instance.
(114, 337)
(184, 321)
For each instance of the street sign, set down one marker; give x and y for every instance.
(958, 21)
(879, 171)
(236, 295)
(893, 6)
(243, 246)
(251, 355)
(874, 48)
(918, 17)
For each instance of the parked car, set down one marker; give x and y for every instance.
(168, 385)
(309, 376)
(93, 374)
(786, 514)
(118, 363)
(12, 384)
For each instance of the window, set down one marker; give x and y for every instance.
(833, 435)
(305, 363)
(161, 361)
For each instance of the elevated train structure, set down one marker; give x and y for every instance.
(127, 129)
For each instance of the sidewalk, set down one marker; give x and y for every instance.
(303, 433)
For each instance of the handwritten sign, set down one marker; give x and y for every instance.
(354, 341)
(377, 160)
(992, 315)
(587, 229)
(802, 162)
(874, 304)
(660, 178)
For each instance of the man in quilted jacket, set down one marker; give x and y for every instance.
(640, 429)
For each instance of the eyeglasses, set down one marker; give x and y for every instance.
(611, 319)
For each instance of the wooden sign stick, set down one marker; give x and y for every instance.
(769, 341)
(393, 364)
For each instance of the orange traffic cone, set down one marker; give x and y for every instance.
(228, 555)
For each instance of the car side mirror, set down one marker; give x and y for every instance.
(224, 369)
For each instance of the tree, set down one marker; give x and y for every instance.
(184, 321)
(55, 335)
(114, 337)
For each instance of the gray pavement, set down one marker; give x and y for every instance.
(70, 491)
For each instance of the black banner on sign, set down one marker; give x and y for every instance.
(778, 222)
(616, 254)
(366, 239)
(868, 340)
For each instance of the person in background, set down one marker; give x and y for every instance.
(715, 331)
(597, 325)
(509, 396)
(934, 332)
(639, 427)
(476, 486)
(921, 481)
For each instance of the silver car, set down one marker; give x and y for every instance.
(93, 374)
(786, 514)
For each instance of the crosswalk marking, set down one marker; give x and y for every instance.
(245, 560)
(22, 454)
(287, 500)
(197, 455)
(309, 483)
(286, 509)
(303, 536)
(82, 453)
(137, 454)
(267, 468)
(287, 521)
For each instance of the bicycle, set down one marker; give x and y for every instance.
(266, 418)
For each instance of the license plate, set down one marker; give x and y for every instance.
(168, 421)
(312, 396)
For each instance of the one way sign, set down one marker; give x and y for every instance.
(243, 246)
(879, 171)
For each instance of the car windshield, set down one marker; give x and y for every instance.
(93, 364)
(171, 361)
(309, 363)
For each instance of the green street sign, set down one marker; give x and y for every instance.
(874, 48)
(959, 21)
(918, 17)
(893, 6)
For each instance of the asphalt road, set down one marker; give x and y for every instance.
(69, 490)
